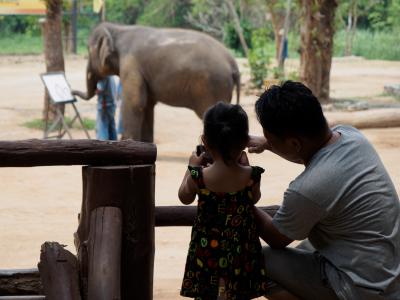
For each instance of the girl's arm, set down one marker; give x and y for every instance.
(188, 189)
(255, 190)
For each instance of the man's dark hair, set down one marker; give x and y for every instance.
(291, 109)
(226, 129)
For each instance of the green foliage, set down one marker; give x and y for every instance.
(161, 13)
(39, 124)
(394, 15)
(28, 25)
(259, 56)
(231, 38)
(124, 12)
(371, 45)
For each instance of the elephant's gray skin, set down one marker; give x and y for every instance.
(178, 67)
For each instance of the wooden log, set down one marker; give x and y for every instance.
(22, 297)
(185, 215)
(372, 118)
(58, 272)
(20, 282)
(130, 188)
(104, 254)
(30, 153)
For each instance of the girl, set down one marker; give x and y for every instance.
(224, 259)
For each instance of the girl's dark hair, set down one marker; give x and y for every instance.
(226, 129)
(291, 109)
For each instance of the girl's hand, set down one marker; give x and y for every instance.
(196, 161)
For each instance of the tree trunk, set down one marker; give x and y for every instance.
(277, 20)
(352, 17)
(317, 32)
(372, 118)
(67, 36)
(58, 272)
(238, 27)
(53, 50)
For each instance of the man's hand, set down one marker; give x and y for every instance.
(257, 144)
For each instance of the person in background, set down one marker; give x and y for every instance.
(120, 128)
(105, 120)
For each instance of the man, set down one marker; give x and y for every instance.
(105, 119)
(344, 203)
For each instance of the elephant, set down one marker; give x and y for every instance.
(178, 67)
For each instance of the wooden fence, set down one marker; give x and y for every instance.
(115, 237)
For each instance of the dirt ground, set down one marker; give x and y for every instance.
(41, 204)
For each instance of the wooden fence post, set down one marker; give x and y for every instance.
(59, 272)
(104, 253)
(130, 188)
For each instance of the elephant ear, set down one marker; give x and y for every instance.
(105, 46)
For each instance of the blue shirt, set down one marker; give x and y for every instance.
(107, 92)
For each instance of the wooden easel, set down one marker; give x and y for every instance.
(62, 123)
(60, 94)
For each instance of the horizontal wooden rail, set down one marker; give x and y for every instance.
(185, 215)
(20, 282)
(23, 297)
(31, 153)
(28, 282)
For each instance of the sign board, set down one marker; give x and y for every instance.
(58, 87)
(22, 7)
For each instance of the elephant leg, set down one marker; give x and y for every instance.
(134, 105)
(148, 124)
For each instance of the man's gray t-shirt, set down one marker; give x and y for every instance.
(346, 204)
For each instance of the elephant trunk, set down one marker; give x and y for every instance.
(91, 83)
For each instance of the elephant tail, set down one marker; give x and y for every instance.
(236, 80)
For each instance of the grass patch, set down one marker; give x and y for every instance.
(39, 124)
(371, 45)
(25, 44)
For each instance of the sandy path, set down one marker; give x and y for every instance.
(39, 204)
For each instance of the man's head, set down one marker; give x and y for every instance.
(292, 119)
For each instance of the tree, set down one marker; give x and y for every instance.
(238, 28)
(53, 49)
(210, 16)
(276, 10)
(352, 10)
(317, 30)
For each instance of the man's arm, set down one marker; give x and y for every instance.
(268, 232)
(257, 144)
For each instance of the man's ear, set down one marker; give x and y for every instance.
(296, 144)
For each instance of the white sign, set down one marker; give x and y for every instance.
(58, 87)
